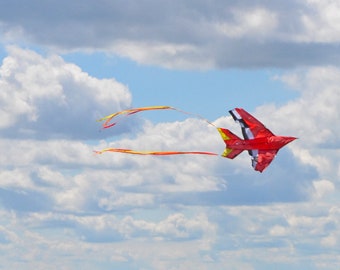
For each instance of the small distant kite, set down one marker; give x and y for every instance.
(261, 144)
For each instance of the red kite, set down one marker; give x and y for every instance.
(260, 142)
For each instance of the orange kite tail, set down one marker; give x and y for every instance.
(156, 153)
(128, 112)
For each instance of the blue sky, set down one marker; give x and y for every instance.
(65, 64)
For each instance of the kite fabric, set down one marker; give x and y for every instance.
(108, 124)
(128, 112)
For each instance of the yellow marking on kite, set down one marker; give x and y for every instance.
(226, 152)
(223, 135)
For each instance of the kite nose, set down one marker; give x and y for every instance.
(290, 139)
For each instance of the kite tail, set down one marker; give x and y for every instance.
(128, 112)
(155, 153)
(108, 123)
(109, 118)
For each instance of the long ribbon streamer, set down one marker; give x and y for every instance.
(128, 112)
(156, 153)
(109, 123)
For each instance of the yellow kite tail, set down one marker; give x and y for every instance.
(128, 112)
(155, 153)
(108, 118)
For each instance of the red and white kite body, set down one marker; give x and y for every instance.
(260, 142)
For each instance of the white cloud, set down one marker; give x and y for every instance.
(168, 54)
(311, 117)
(278, 230)
(46, 97)
(281, 234)
(329, 241)
(323, 187)
(183, 35)
(256, 23)
(323, 23)
(205, 239)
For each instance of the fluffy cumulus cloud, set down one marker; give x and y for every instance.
(190, 34)
(312, 118)
(48, 97)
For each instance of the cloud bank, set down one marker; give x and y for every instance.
(194, 34)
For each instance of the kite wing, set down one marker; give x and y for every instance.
(262, 158)
(251, 127)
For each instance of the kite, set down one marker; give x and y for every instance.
(261, 144)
